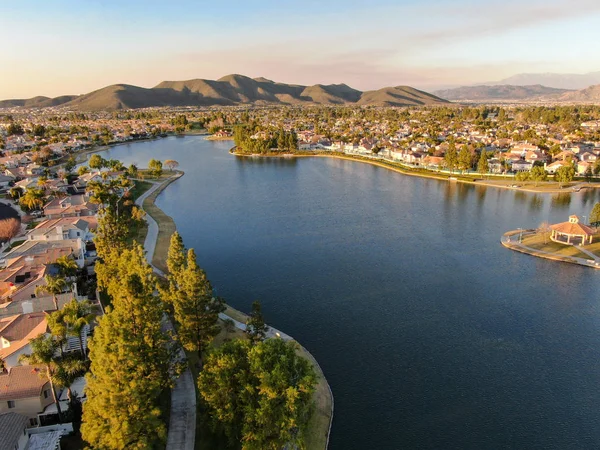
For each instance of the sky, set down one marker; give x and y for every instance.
(62, 47)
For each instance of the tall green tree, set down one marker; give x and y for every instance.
(565, 174)
(483, 166)
(451, 156)
(256, 329)
(196, 309)
(464, 158)
(259, 395)
(131, 364)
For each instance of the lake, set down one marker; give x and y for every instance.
(431, 334)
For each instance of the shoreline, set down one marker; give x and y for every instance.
(519, 247)
(432, 175)
(167, 223)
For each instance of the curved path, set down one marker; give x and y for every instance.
(182, 423)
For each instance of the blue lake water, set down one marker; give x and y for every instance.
(431, 334)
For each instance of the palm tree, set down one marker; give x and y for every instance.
(58, 328)
(77, 316)
(54, 285)
(43, 353)
(67, 372)
(32, 199)
(67, 266)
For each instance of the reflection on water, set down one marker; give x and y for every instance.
(561, 201)
(536, 202)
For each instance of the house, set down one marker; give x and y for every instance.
(46, 249)
(552, 168)
(13, 431)
(521, 165)
(64, 228)
(25, 390)
(16, 332)
(583, 166)
(72, 206)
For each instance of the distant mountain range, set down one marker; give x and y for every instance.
(556, 80)
(229, 90)
(500, 92)
(510, 93)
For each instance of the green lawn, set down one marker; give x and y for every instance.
(537, 242)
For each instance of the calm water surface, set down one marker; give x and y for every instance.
(431, 334)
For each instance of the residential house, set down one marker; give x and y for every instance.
(25, 390)
(64, 228)
(16, 332)
(13, 431)
(553, 167)
(71, 206)
(521, 165)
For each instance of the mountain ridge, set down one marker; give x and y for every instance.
(230, 90)
(498, 92)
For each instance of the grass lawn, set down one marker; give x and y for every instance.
(536, 241)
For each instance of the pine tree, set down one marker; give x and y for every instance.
(131, 362)
(259, 395)
(451, 157)
(255, 326)
(482, 166)
(196, 309)
(176, 259)
(464, 158)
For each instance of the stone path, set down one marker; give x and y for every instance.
(182, 424)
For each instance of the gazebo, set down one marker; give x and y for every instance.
(571, 232)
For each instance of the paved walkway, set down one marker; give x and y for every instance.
(182, 424)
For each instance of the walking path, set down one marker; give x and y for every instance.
(182, 423)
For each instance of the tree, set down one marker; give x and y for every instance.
(259, 395)
(565, 174)
(132, 171)
(544, 230)
(155, 167)
(97, 162)
(70, 164)
(538, 174)
(43, 351)
(15, 192)
(76, 315)
(32, 199)
(451, 157)
(171, 164)
(131, 364)
(67, 371)
(67, 267)
(255, 326)
(595, 215)
(54, 286)
(464, 158)
(483, 166)
(82, 170)
(9, 228)
(196, 309)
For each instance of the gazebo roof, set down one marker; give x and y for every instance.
(573, 227)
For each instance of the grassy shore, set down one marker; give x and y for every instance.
(320, 422)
